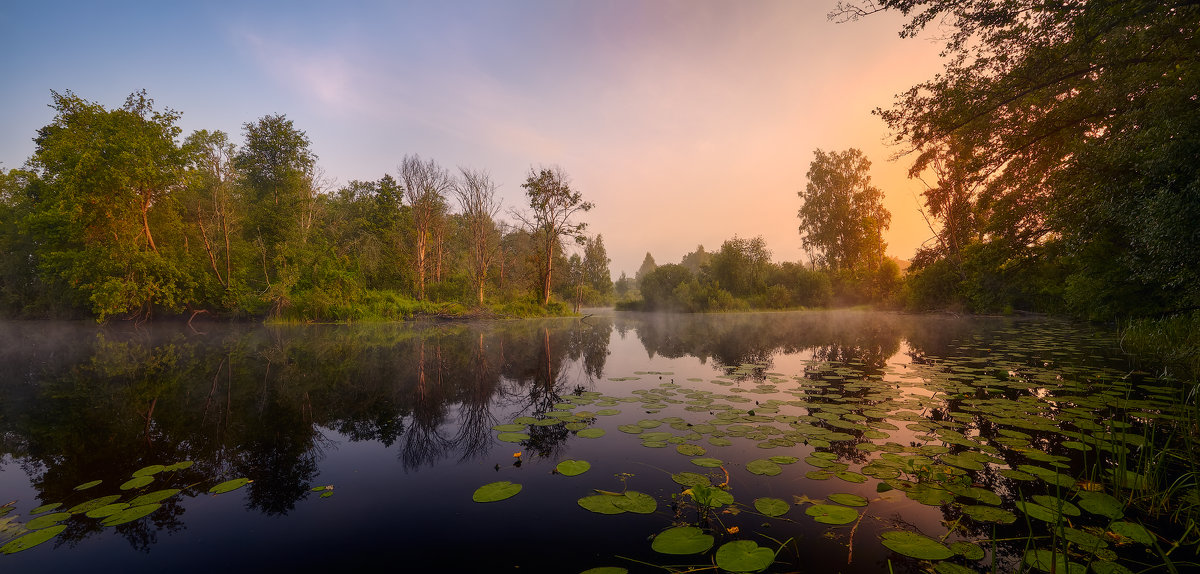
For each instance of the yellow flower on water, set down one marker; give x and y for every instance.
(516, 455)
(732, 530)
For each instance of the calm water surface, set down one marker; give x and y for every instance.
(398, 422)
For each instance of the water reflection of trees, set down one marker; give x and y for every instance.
(80, 404)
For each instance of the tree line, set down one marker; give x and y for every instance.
(115, 216)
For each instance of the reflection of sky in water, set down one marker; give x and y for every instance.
(409, 500)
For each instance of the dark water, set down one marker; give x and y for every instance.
(399, 420)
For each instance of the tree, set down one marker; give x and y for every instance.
(211, 181)
(741, 266)
(595, 267)
(477, 199)
(697, 260)
(1080, 120)
(277, 172)
(842, 217)
(425, 186)
(104, 173)
(553, 206)
(648, 265)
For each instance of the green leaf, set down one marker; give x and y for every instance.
(690, 450)
(130, 514)
(708, 462)
(601, 503)
(848, 499)
(771, 506)
(989, 514)
(1136, 532)
(108, 510)
(783, 459)
(763, 467)
(1038, 511)
(93, 504)
(149, 470)
(743, 556)
(691, 479)
(636, 502)
(495, 491)
(968, 550)
(831, 514)
(915, 545)
(32, 539)
(573, 467)
(1055, 562)
(229, 485)
(137, 482)
(1101, 504)
(45, 508)
(513, 437)
(88, 485)
(682, 540)
(179, 466)
(47, 520)
(591, 433)
(156, 496)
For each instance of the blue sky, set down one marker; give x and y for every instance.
(685, 122)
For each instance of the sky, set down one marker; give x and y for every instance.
(685, 122)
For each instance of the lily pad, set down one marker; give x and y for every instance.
(137, 482)
(636, 502)
(606, 570)
(45, 508)
(691, 479)
(1101, 504)
(107, 510)
(690, 449)
(989, 514)
(915, 545)
(682, 540)
(88, 485)
(847, 499)
(763, 467)
(156, 496)
(179, 466)
(708, 462)
(496, 491)
(149, 470)
(1136, 532)
(1039, 512)
(513, 437)
(601, 503)
(229, 485)
(832, 514)
(93, 504)
(591, 433)
(771, 506)
(47, 520)
(1056, 562)
(573, 467)
(783, 459)
(743, 556)
(968, 550)
(130, 514)
(32, 539)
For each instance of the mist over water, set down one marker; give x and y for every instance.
(399, 420)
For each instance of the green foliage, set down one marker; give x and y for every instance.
(842, 217)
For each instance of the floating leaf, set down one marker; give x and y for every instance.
(636, 502)
(137, 482)
(88, 485)
(1048, 561)
(1136, 532)
(915, 545)
(691, 479)
(743, 556)
(47, 520)
(1038, 511)
(771, 507)
(591, 433)
(847, 499)
(495, 491)
(229, 485)
(573, 467)
(179, 466)
(989, 514)
(156, 496)
(707, 462)
(764, 467)
(682, 540)
(513, 437)
(968, 550)
(951, 568)
(849, 476)
(130, 514)
(45, 508)
(1101, 504)
(783, 459)
(93, 504)
(149, 470)
(32, 539)
(832, 514)
(1106, 567)
(601, 503)
(108, 510)
(608, 412)
(690, 450)
(606, 570)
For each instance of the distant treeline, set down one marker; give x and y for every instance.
(114, 216)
